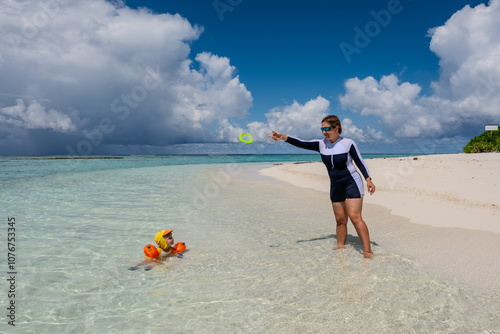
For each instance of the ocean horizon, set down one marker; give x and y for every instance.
(30, 166)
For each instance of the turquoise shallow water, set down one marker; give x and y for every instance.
(260, 256)
(27, 167)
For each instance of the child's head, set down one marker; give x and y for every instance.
(164, 239)
(151, 252)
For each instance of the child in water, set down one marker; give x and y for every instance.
(165, 242)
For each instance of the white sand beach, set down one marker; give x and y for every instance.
(442, 210)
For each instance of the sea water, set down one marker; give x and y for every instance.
(259, 257)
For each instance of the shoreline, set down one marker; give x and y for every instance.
(421, 211)
(456, 190)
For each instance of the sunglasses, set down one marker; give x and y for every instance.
(328, 128)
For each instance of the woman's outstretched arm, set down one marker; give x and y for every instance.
(306, 144)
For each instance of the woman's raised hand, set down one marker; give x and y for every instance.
(277, 136)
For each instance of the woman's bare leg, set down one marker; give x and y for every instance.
(354, 207)
(340, 212)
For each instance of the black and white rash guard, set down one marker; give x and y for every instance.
(345, 181)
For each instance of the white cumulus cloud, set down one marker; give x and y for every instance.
(301, 120)
(467, 94)
(82, 64)
(34, 116)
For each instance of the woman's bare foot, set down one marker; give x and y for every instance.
(368, 254)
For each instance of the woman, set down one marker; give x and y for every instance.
(346, 185)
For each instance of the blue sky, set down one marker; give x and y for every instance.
(141, 77)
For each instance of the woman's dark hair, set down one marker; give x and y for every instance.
(333, 121)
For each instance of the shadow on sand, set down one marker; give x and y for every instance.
(351, 240)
